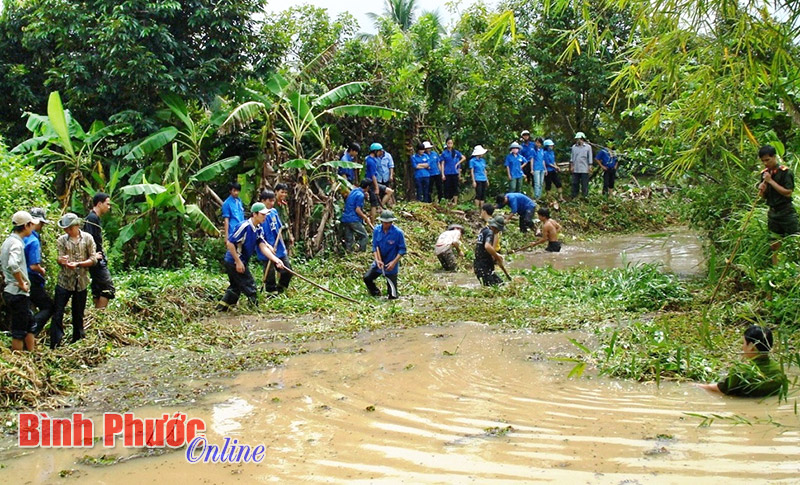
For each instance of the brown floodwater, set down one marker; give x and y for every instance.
(456, 404)
(678, 250)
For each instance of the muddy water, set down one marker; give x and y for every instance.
(458, 404)
(679, 250)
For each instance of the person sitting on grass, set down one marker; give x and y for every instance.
(448, 245)
(760, 376)
(550, 230)
(242, 244)
(485, 254)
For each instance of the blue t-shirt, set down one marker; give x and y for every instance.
(514, 162)
(390, 244)
(354, 199)
(451, 158)
(433, 159)
(385, 164)
(538, 159)
(348, 173)
(527, 149)
(479, 166)
(371, 164)
(271, 227)
(549, 159)
(606, 159)
(417, 159)
(246, 238)
(33, 255)
(520, 203)
(233, 210)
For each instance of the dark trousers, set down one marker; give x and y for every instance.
(42, 301)
(451, 186)
(550, 179)
(580, 180)
(18, 308)
(609, 176)
(423, 186)
(485, 273)
(238, 283)
(355, 234)
(436, 181)
(372, 274)
(283, 281)
(63, 296)
(526, 221)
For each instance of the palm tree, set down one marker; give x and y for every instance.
(400, 12)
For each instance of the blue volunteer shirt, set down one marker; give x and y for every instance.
(416, 160)
(520, 203)
(385, 164)
(354, 199)
(514, 162)
(479, 166)
(246, 238)
(451, 158)
(433, 159)
(233, 209)
(371, 170)
(33, 255)
(348, 173)
(390, 244)
(527, 149)
(606, 159)
(271, 228)
(549, 160)
(538, 159)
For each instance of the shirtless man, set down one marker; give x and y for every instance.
(550, 230)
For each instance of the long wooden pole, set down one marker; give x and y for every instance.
(321, 287)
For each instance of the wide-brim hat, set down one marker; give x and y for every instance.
(387, 216)
(514, 145)
(580, 135)
(478, 151)
(39, 213)
(498, 223)
(68, 220)
(525, 132)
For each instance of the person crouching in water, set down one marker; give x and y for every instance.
(550, 230)
(448, 245)
(485, 254)
(760, 376)
(245, 240)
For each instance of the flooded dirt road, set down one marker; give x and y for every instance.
(678, 249)
(457, 404)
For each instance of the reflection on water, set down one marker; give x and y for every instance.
(464, 404)
(679, 250)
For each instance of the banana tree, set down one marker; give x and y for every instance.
(293, 129)
(60, 141)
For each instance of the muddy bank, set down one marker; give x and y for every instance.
(457, 404)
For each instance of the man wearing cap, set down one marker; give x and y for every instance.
(448, 245)
(388, 246)
(579, 163)
(521, 205)
(552, 176)
(485, 254)
(350, 155)
(242, 244)
(16, 292)
(435, 169)
(514, 162)
(77, 253)
(352, 217)
(422, 174)
(36, 272)
(102, 286)
(451, 165)
(477, 168)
